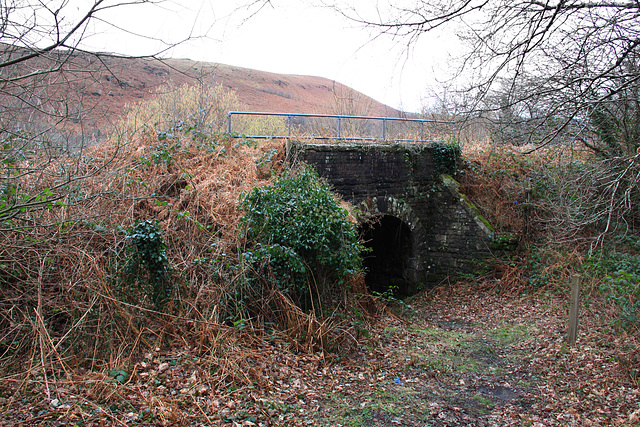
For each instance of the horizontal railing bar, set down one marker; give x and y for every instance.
(338, 116)
(343, 138)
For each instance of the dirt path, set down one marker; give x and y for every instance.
(479, 360)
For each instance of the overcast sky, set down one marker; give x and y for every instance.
(288, 36)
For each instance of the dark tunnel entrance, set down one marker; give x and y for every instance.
(387, 263)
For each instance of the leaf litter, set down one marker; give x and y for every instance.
(453, 356)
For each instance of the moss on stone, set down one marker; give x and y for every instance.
(477, 213)
(454, 185)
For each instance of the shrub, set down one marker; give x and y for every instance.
(621, 264)
(300, 236)
(256, 126)
(200, 110)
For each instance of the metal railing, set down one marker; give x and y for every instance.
(309, 133)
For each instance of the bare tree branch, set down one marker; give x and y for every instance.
(554, 72)
(45, 69)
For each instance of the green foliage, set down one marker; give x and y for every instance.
(164, 153)
(615, 118)
(550, 267)
(301, 237)
(610, 262)
(621, 284)
(607, 129)
(147, 264)
(446, 157)
(119, 375)
(623, 289)
(507, 242)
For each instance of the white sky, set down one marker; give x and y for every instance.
(291, 37)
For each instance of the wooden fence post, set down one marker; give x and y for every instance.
(574, 310)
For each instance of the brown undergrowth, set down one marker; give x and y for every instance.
(520, 191)
(72, 331)
(500, 181)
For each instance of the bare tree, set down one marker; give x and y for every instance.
(555, 61)
(42, 72)
(544, 72)
(348, 102)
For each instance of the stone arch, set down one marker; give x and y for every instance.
(393, 234)
(375, 206)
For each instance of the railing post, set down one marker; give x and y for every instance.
(289, 117)
(384, 130)
(229, 123)
(339, 128)
(421, 130)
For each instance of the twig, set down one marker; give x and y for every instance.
(41, 331)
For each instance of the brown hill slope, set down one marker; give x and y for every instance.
(94, 89)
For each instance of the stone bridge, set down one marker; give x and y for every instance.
(419, 227)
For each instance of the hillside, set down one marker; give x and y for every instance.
(94, 89)
(258, 90)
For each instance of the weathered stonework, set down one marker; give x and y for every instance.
(398, 180)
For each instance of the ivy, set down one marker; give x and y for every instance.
(147, 265)
(621, 285)
(446, 157)
(623, 289)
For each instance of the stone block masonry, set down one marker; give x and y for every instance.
(419, 227)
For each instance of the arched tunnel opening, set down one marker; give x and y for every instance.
(388, 259)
